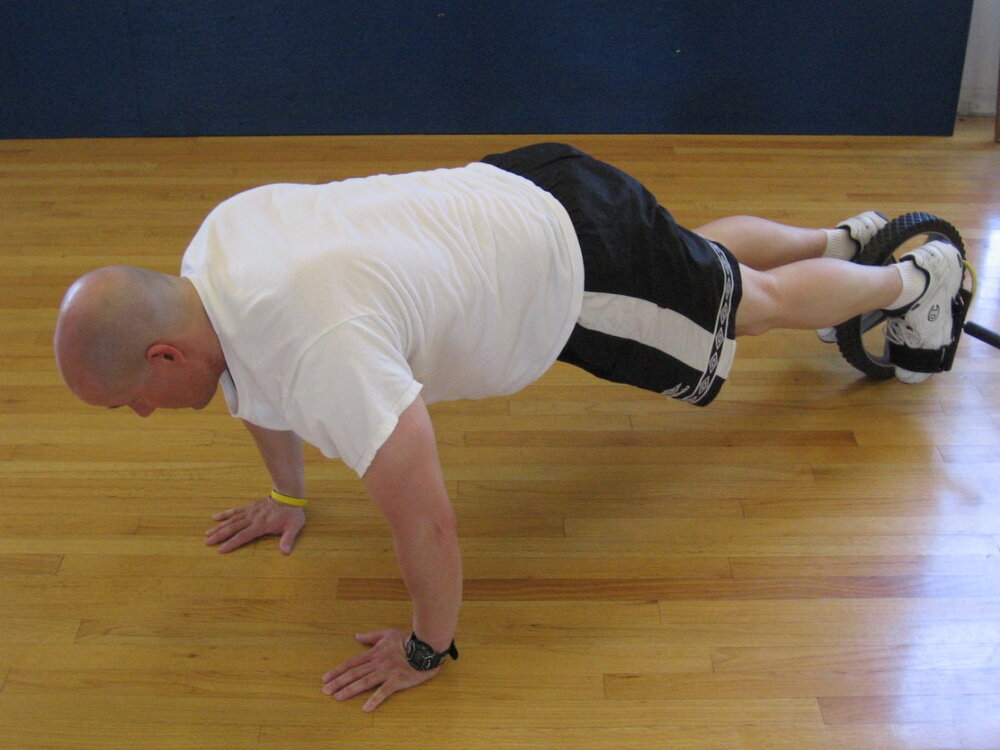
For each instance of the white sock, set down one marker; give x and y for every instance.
(914, 284)
(840, 245)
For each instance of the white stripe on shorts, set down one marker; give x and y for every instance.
(658, 327)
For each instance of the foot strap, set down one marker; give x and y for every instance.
(918, 360)
(934, 360)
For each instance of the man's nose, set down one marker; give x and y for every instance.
(143, 410)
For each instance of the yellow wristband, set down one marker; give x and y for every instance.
(298, 502)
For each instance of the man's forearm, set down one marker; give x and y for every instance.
(282, 454)
(431, 563)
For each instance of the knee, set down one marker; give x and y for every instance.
(756, 328)
(758, 310)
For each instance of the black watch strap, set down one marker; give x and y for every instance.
(422, 656)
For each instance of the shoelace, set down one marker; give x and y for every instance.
(865, 226)
(898, 332)
(870, 227)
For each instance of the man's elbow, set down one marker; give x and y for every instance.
(437, 532)
(444, 525)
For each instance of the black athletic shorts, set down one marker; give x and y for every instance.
(659, 305)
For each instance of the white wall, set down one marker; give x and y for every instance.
(982, 61)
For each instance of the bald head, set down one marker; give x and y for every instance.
(108, 320)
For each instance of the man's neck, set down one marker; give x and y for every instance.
(201, 327)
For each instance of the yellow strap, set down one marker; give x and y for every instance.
(298, 502)
(975, 279)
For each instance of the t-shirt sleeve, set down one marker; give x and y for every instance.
(349, 389)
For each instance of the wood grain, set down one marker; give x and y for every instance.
(811, 563)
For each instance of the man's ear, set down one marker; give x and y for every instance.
(164, 354)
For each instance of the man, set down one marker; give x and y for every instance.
(336, 313)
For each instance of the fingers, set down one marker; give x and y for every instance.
(238, 517)
(345, 673)
(238, 540)
(383, 667)
(287, 542)
(237, 526)
(226, 530)
(361, 686)
(351, 683)
(357, 680)
(347, 666)
(379, 697)
(370, 639)
(235, 534)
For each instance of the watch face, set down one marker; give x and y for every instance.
(420, 655)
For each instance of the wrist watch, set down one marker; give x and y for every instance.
(423, 657)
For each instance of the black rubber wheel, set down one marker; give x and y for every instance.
(861, 340)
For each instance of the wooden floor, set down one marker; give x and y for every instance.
(811, 563)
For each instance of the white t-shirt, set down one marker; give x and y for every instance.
(337, 304)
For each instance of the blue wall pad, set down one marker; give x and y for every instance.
(269, 67)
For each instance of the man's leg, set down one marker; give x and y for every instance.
(762, 244)
(786, 282)
(812, 294)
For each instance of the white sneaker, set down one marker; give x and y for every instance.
(926, 325)
(861, 229)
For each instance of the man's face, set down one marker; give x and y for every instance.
(183, 387)
(180, 390)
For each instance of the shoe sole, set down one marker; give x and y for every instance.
(827, 335)
(912, 378)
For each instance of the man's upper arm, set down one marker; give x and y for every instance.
(405, 478)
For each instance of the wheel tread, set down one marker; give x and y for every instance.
(879, 252)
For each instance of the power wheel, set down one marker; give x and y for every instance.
(862, 339)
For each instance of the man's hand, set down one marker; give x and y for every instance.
(262, 518)
(384, 666)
